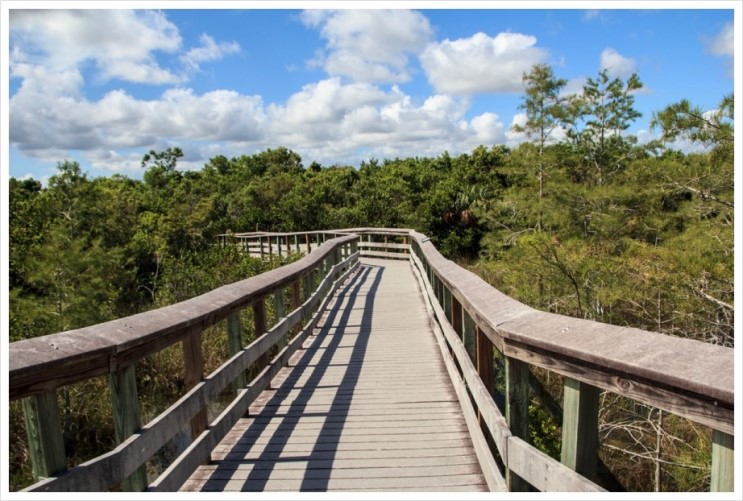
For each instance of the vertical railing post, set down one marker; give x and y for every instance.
(723, 457)
(123, 385)
(278, 245)
(447, 304)
(259, 318)
(306, 285)
(469, 336)
(484, 362)
(193, 361)
(580, 427)
(307, 241)
(296, 303)
(234, 345)
(280, 313)
(260, 244)
(517, 411)
(270, 248)
(296, 242)
(44, 431)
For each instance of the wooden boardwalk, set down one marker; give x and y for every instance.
(366, 405)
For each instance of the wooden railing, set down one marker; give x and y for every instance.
(681, 376)
(39, 366)
(685, 377)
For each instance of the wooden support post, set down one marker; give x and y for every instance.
(468, 336)
(306, 285)
(485, 361)
(280, 313)
(44, 431)
(259, 317)
(307, 241)
(287, 247)
(123, 384)
(517, 411)
(447, 303)
(580, 427)
(260, 244)
(456, 316)
(296, 303)
(234, 345)
(723, 457)
(296, 242)
(193, 361)
(278, 245)
(270, 248)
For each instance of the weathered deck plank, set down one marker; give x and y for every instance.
(367, 405)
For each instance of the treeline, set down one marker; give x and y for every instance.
(579, 220)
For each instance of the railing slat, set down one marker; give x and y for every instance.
(723, 460)
(580, 427)
(517, 411)
(193, 359)
(44, 431)
(123, 384)
(235, 345)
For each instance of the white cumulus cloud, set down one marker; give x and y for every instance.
(481, 63)
(369, 45)
(122, 44)
(617, 64)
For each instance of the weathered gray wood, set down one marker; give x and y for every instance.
(517, 411)
(487, 411)
(193, 360)
(344, 396)
(381, 245)
(693, 370)
(485, 360)
(235, 345)
(259, 321)
(543, 472)
(123, 384)
(47, 362)
(280, 311)
(723, 462)
(107, 470)
(580, 427)
(382, 254)
(199, 450)
(296, 301)
(44, 432)
(469, 335)
(452, 342)
(692, 407)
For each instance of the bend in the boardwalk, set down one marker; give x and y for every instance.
(366, 405)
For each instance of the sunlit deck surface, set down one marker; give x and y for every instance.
(366, 405)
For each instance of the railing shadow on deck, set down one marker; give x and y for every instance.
(320, 460)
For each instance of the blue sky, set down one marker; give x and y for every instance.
(103, 87)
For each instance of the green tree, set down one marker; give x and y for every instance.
(606, 109)
(545, 110)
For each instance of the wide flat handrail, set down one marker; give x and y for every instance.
(683, 376)
(44, 363)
